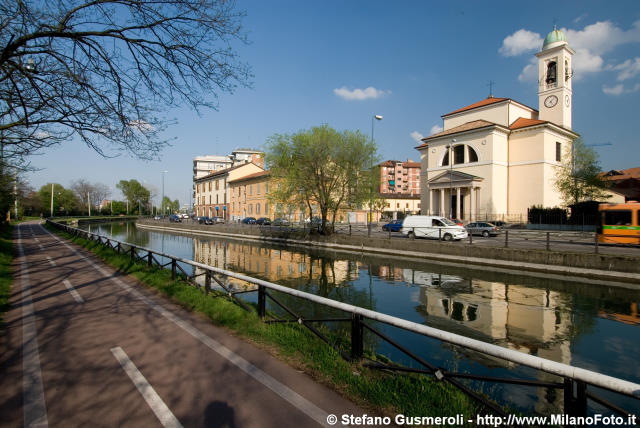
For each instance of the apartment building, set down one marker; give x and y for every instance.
(212, 191)
(400, 177)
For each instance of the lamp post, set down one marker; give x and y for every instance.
(373, 121)
(162, 202)
(52, 200)
(450, 154)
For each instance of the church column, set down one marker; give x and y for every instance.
(430, 210)
(472, 193)
(441, 202)
(457, 202)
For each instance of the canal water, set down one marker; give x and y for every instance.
(579, 322)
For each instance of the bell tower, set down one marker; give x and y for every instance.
(555, 74)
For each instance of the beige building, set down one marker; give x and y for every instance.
(212, 190)
(498, 156)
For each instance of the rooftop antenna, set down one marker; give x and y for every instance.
(490, 85)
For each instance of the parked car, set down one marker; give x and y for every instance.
(280, 222)
(482, 228)
(427, 226)
(174, 218)
(204, 220)
(157, 217)
(249, 220)
(218, 219)
(184, 215)
(392, 226)
(265, 221)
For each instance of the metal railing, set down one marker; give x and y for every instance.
(575, 380)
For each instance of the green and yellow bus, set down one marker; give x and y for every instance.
(619, 223)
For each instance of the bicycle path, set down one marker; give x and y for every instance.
(86, 346)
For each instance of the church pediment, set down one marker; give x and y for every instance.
(457, 177)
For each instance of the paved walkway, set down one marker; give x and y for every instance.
(86, 346)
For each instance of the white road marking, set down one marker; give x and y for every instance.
(40, 246)
(51, 262)
(286, 393)
(35, 408)
(73, 291)
(162, 412)
(36, 239)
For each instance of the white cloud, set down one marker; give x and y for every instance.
(627, 70)
(620, 89)
(435, 129)
(529, 72)
(417, 136)
(520, 42)
(614, 90)
(360, 94)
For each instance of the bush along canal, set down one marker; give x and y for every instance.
(581, 323)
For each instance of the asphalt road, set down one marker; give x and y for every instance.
(86, 346)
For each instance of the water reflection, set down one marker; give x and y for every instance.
(594, 326)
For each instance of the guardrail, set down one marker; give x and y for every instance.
(574, 383)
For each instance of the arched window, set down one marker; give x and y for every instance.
(473, 156)
(567, 72)
(551, 73)
(445, 159)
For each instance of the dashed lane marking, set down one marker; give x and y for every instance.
(162, 412)
(73, 291)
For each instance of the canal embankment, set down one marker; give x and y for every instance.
(620, 268)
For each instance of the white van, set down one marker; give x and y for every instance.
(427, 226)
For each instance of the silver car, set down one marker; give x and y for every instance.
(482, 228)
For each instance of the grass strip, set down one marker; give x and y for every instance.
(378, 391)
(6, 278)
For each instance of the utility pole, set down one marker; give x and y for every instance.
(89, 203)
(51, 199)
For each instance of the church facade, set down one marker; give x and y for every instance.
(498, 157)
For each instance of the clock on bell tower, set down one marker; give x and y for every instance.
(554, 79)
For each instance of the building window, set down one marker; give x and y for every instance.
(445, 159)
(458, 154)
(473, 156)
(257, 208)
(558, 152)
(250, 208)
(250, 189)
(266, 208)
(266, 187)
(209, 186)
(217, 185)
(551, 73)
(257, 188)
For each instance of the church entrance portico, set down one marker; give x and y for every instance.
(454, 194)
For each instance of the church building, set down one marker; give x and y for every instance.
(497, 157)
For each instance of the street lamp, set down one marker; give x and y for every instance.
(450, 154)
(373, 121)
(163, 173)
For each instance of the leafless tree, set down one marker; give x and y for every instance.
(106, 71)
(87, 191)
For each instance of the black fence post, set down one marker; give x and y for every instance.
(595, 236)
(262, 301)
(349, 230)
(173, 268)
(207, 282)
(575, 402)
(506, 239)
(357, 337)
(149, 259)
(133, 253)
(548, 233)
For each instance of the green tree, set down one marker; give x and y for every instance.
(577, 177)
(104, 71)
(135, 193)
(322, 167)
(64, 200)
(170, 206)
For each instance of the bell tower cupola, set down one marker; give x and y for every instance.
(555, 73)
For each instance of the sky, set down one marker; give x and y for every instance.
(342, 62)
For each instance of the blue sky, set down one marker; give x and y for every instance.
(341, 62)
